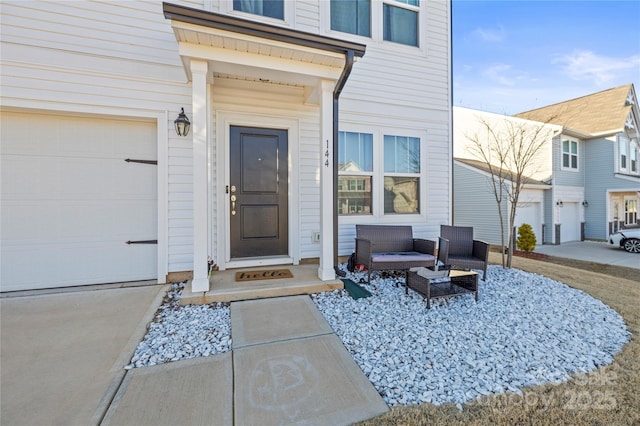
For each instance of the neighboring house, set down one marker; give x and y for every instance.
(590, 162)
(602, 164)
(281, 95)
(475, 204)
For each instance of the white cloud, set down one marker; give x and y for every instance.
(490, 35)
(586, 65)
(505, 75)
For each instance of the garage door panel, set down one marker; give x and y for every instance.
(569, 222)
(135, 180)
(529, 213)
(26, 268)
(107, 262)
(30, 181)
(70, 201)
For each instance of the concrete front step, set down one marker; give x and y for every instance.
(224, 287)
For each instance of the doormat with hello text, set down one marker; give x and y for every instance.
(269, 274)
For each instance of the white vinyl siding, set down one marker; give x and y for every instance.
(121, 59)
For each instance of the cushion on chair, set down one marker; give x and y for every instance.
(410, 256)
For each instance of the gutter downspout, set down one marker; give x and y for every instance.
(349, 60)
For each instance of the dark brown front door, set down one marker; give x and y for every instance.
(258, 192)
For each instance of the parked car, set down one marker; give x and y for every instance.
(629, 239)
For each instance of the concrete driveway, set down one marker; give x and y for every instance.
(62, 355)
(592, 251)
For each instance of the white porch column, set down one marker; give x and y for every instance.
(199, 128)
(326, 271)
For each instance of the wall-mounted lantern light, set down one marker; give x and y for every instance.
(182, 124)
(585, 203)
(559, 203)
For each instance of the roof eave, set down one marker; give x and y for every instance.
(272, 32)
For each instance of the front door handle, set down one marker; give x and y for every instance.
(233, 204)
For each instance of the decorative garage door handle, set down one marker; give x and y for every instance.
(142, 242)
(130, 160)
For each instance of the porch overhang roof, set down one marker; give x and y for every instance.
(238, 48)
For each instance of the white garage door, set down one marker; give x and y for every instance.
(569, 222)
(70, 201)
(530, 213)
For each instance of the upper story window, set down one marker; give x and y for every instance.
(351, 16)
(400, 22)
(389, 20)
(269, 8)
(570, 154)
(634, 157)
(623, 144)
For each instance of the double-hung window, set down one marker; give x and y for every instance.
(396, 21)
(400, 21)
(634, 157)
(378, 174)
(269, 8)
(401, 174)
(623, 144)
(355, 173)
(570, 154)
(630, 211)
(351, 16)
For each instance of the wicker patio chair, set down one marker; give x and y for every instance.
(442, 260)
(464, 251)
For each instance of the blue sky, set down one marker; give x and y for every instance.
(513, 56)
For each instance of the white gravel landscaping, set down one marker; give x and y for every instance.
(182, 332)
(525, 330)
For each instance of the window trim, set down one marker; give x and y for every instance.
(577, 154)
(626, 212)
(377, 34)
(400, 5)
(366, 174)
(377, 186)
(623, 140)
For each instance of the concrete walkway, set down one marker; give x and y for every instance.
(287, 367)
(592, 251)
(63, 358)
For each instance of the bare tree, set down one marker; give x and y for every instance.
(510, 149)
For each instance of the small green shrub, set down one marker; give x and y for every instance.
(526, 238)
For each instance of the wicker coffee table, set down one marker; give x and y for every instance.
(460, 282)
